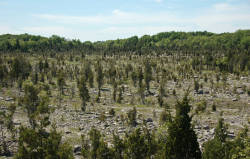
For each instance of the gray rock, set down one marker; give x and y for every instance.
(149, 120)
(234, 99)
(77, 149)
(67, 132)
(9, 99)
(105, 89)
(206, 92)
(206, 127)
(200, 91)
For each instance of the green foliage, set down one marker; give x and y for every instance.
(6, 123)
(114, 90)
(216, 147)
(36, 142)
(220, 148)
(201, 106)
(83, 93)
(30, 101)
(119, 147)
(148, 74)
(102, 116)
(213, 107)
(248, 92)
(233, 46)
(213, 150)
(119, 100)
(134, 78)
(132, 117)
(140, 76)
(39, 144)
(181, 139)
(112, 112)
(196, 85)
(97, 148)
(99, 78)
(221, 131)
(61, 82)
(165, 117)
(161, 94)
(20, 68)
(140, 145)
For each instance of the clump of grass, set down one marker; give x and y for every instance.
(102, 117)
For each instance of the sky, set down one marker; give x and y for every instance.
(97, 20)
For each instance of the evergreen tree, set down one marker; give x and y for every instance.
(114, 90)
(134, 78)
(132, 117)
(140, 76)
(181, 140)
(83, 93)
(119, 100)
(36, 142)
(217, 147)
(196, 86)
(99, 78)
(61, 83)
(148, 75)
(161, 94)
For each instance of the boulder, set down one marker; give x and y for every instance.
(234, 99)
(200, 91)
(105, 89)
(9, 99)
(149, 120)
(77, 149)
(206, 127)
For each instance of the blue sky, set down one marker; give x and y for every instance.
(112, 19)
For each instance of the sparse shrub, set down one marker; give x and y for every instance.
(196, 85)
(205, 78)
(119, 100)
(112, 112)
(154, 113)
(122, 118)
(234, 89)
(132, 117)
(201, 106)
(164, 117)
(97, 148)
(174, 92)
(102, 117)
(244, 88)
(213, 107)
(248, 92)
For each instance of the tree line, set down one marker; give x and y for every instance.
(228, 51)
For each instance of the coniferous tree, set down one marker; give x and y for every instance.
(216, 148)
(134, 78)
(140, 76)
(99, 78)
(161, 94)
(114, 90)
(148, 75)
(119, 100)
(36, 142)
(83, 93)
(61, 83)
(181, 140)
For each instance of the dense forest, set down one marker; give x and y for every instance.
(174, 95)
(229, 51)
